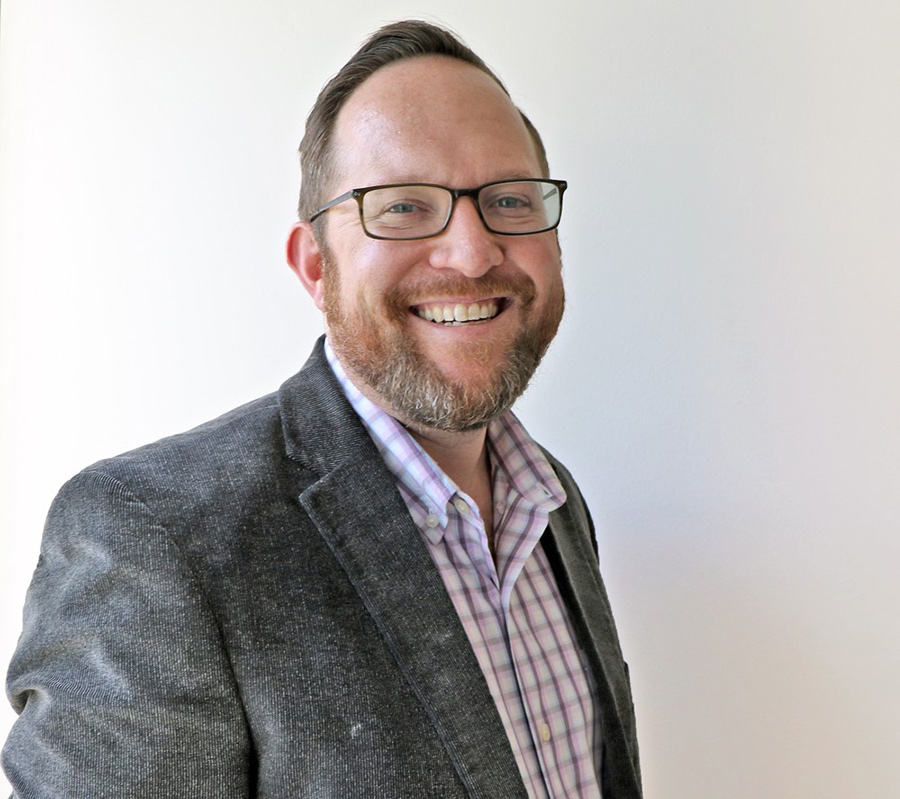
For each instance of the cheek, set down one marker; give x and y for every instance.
(543, 266)
(364, 293)
(380, 271)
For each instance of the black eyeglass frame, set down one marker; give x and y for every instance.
(455, 194)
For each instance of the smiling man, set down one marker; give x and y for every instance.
(442, 319)
(373, 582)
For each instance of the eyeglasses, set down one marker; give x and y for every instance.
(406, 211)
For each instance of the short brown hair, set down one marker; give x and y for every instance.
(393, 42)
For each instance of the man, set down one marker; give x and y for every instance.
(372, 583)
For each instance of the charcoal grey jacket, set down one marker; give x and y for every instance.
(248, 610)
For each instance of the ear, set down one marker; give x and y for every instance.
(305, 259)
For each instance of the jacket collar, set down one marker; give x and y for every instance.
(321, 430)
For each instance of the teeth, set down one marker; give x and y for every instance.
(449, 314)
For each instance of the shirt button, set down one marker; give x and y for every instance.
(461, 506)
(545, 732)
(432, 521)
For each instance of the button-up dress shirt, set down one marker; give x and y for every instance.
(511, 609)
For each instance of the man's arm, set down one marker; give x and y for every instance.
(120, 678)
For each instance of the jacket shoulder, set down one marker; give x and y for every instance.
(251, 430)
(201, 486)
(575, 509)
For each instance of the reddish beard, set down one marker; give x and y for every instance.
(374, 346)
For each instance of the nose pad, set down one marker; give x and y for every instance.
(466, 245)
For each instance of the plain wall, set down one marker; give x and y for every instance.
(725, 386)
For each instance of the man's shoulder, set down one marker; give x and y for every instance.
(248, 432)
(243, 445)
(225, 466)
(565, 476)
(575, 512)
(249, 462)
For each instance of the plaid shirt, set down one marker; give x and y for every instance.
(512, 612)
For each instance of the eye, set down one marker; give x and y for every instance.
(406, 211)
(510, 202)
(401, 208)
(400, 201)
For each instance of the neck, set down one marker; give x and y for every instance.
(462, 456)
(464, 459)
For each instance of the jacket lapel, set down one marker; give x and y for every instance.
(573, 560)
(359, 512)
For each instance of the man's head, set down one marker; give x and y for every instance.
(392, 43)
(394, 309)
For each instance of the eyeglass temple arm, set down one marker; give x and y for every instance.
(336, 201)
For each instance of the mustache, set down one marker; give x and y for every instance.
(520, 287)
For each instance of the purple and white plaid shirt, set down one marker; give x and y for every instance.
(512, 611)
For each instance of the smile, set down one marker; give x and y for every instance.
(458, 313)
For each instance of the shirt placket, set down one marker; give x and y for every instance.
(561, 734)
(486, 601)
(531, 671)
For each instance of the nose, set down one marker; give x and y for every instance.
(466, 245)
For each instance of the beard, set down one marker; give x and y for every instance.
(374, 345)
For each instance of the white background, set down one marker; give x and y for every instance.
(726, 383)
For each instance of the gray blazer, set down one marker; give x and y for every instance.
(248, 610)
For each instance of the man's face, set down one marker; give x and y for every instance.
(437, 120)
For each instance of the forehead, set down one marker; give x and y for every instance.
(431, 119)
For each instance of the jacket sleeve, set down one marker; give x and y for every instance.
(120, 678)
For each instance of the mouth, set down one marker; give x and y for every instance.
(452, 314)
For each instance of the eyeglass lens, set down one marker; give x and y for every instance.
(414, 211)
